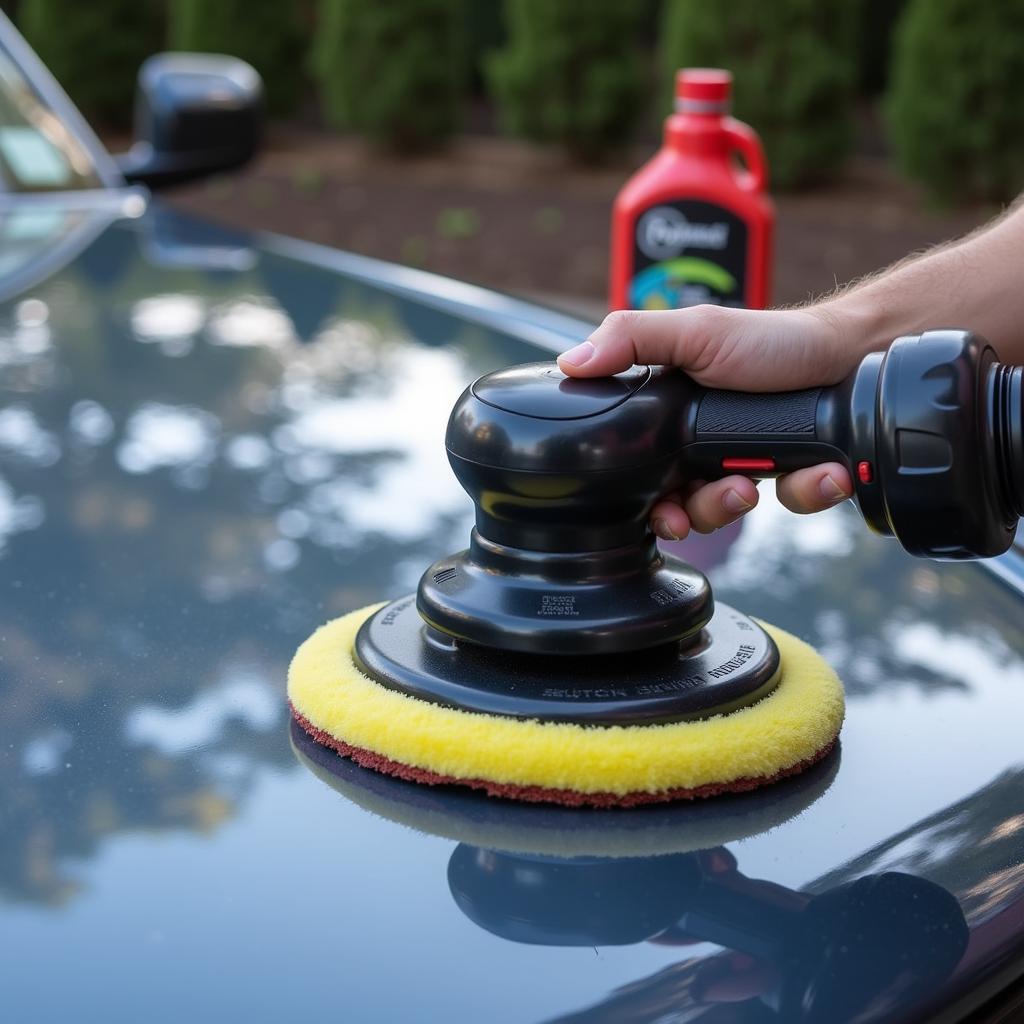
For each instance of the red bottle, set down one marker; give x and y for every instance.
(693, 225)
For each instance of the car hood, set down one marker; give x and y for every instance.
(210, 443)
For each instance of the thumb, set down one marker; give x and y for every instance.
(676, 337)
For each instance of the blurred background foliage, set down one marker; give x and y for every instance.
(571, 74)
(795, 69)
(95, 49)
(272, 37)
(938, 79)
(395, 72)
(954, 107)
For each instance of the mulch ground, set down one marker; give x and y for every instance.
(521, 219)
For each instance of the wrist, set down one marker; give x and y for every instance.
(858, 324)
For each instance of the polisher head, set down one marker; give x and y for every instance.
(562, 657)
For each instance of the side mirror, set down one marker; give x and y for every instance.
(195, 114)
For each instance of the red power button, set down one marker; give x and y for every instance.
(864, 472)
(749, 465)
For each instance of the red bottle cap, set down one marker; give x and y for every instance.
(703, 91)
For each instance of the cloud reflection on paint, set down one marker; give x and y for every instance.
(239, 696)
(159, 435)
(18, 513)
(22, 436)
(408, 485)
(250, 321)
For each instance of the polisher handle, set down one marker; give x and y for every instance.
(764, 435)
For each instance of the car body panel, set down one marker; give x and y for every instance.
(210, 443)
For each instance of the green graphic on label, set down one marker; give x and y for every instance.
(664, 285)
(688, 252)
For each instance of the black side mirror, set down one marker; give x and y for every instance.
(195, 114)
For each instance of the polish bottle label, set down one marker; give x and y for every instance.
(688, 252)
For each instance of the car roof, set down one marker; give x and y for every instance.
(212, 442)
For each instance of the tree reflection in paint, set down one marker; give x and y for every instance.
(186, 487)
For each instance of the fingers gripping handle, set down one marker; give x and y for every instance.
(763, 435)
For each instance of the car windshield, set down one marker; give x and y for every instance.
(38, 151)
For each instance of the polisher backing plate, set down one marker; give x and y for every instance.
(561, 762)
(726, 666)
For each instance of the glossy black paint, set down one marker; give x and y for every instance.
(205, 450)
(883, 938)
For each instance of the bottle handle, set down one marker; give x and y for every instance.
(744, 140)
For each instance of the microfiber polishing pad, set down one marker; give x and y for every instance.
(559, 762)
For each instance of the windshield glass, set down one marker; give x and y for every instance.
(38, 151)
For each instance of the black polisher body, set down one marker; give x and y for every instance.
(562, 608)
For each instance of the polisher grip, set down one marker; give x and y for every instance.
(762, 434)
(739, 412)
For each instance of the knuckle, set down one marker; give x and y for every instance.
(621, 321)
(706, 316)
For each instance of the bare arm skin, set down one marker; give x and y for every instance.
(975, 283)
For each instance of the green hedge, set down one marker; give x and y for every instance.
(794, 66)
(571, 73)
(269, 34)
(94, 49)
(394, 71)
(956, 115)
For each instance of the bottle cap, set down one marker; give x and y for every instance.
(703, 91)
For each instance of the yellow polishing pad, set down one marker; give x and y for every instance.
(794, 726)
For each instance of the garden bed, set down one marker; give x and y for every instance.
(520, 219)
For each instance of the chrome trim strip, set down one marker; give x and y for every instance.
(1008, 568)
(124, 200)
(544, 327)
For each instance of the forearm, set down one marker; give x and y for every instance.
(975, 283)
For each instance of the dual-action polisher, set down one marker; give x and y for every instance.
(562, 657)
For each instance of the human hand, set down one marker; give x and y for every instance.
(741, 349)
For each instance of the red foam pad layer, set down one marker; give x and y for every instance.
(542, 794)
